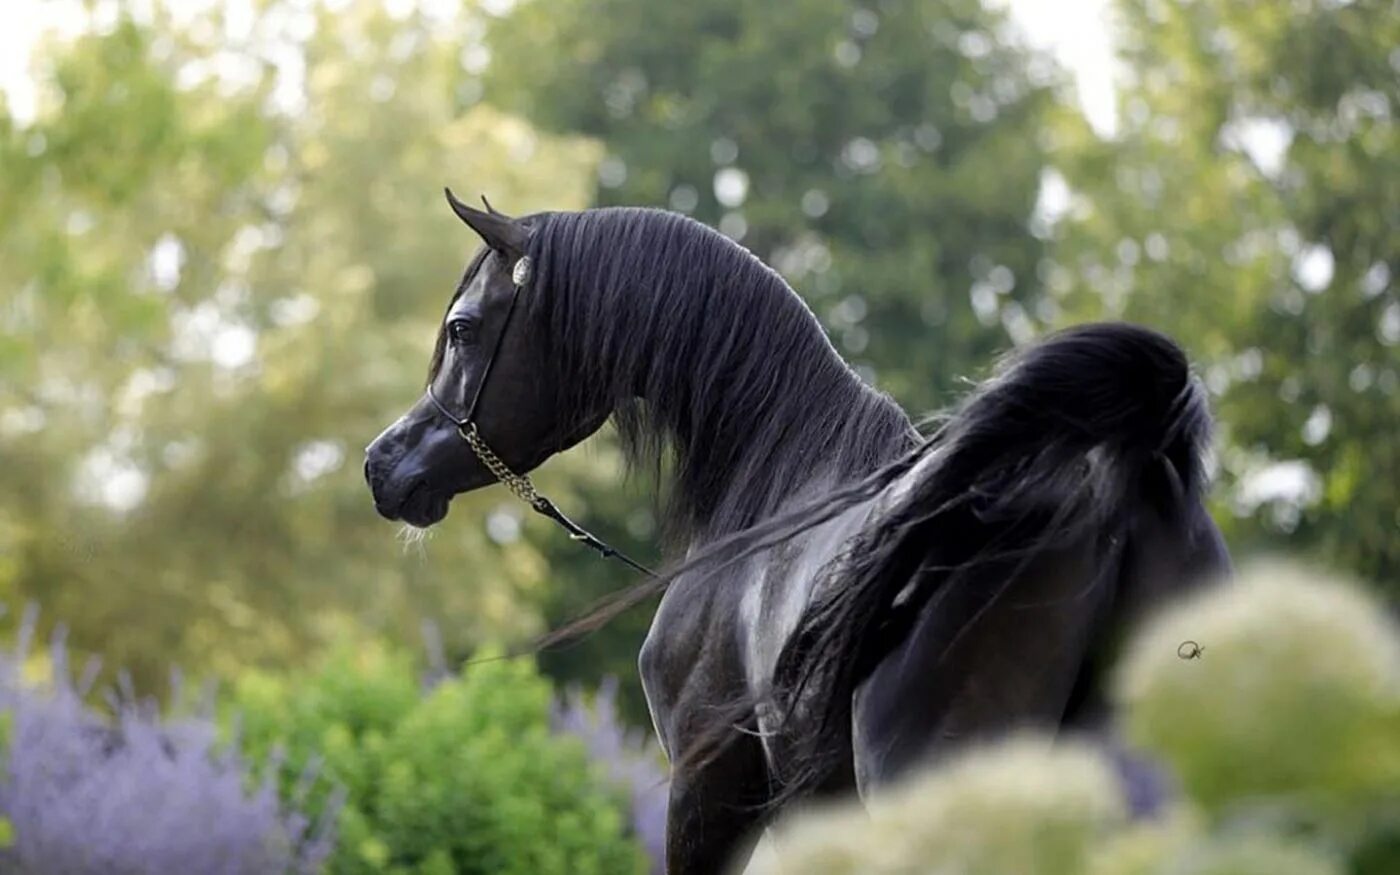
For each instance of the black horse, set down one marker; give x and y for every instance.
(851, 597)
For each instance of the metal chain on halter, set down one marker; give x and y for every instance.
(519, 484)
(522, 488)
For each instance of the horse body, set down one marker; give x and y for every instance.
(971, 665)
(855, 598)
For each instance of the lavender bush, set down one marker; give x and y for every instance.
(133, 793)
(628, 758)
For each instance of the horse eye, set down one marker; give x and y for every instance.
(461, 330)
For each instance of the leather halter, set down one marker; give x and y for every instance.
(520, 485)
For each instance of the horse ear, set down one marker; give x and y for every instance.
(490, 209)
(498, 230)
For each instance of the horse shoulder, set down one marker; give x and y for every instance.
(690, 660)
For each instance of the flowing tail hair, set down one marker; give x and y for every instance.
(1066, 438)
(1069, 438)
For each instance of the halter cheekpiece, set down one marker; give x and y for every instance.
(520, 485)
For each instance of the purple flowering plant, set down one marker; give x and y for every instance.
(133, 788)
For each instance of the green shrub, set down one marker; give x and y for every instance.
(1284, 736)
(1020, 808)
(1148, 850)
(465, 778)
(1296, 695)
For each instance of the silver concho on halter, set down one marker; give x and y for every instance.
(520, 274)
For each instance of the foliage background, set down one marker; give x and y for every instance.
(223, 256)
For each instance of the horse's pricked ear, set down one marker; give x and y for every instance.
(497, 229)
(490, 209)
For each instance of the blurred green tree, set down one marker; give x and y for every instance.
(223, 268)
(1250, 205)
(883, 156)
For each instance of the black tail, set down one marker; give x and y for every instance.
(1065, 440)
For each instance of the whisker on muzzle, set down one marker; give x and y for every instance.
(414, 539)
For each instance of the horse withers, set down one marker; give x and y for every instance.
(850, 597)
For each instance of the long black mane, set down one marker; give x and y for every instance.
(706, 356)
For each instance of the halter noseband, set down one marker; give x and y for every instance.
(520, 485)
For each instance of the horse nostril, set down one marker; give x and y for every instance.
(369, 478)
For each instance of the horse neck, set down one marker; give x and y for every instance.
(757, 409)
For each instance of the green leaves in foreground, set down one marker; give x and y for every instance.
(1284, 736)
(463, 778)
(1295, 697)
(1022, 809)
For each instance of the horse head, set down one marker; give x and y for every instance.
(487, 387)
